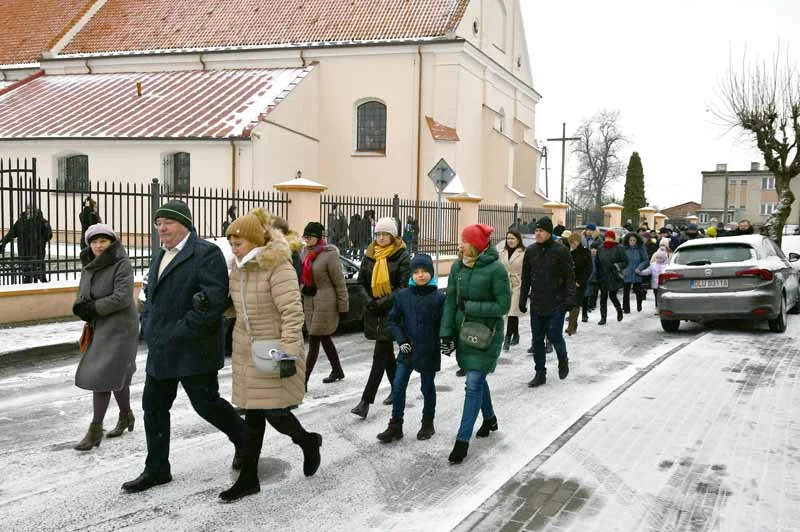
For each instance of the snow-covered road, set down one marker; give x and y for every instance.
(361, 485)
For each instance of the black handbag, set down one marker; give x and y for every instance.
(472, 333)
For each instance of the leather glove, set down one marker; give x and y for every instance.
(405, 348)
(462, 304)
(371, 305)
(523, 307)
(200, 302)
(85, 310)
(447, 346)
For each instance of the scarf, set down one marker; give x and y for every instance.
(469, 260)
(306, 276)
(608, 244)
(381, 283)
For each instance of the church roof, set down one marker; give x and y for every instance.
(156, 25)
(30, 28)
(215, 104)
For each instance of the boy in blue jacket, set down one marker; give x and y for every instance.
(414, 320)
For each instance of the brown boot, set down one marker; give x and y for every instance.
(92, 438)
(125, 421)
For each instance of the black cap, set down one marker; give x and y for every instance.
(545, 224)
(175, 210)
(314, 229)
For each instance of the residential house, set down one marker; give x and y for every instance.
(364, 97)
(680, 212)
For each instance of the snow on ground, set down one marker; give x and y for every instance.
(19, 338)
(362, 484)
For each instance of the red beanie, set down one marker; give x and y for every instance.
(611, 234)
(477, 235)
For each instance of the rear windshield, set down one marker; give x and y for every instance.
(713, 254)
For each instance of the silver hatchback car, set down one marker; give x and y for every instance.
(737, 277)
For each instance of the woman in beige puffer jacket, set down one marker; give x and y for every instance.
(263, 278)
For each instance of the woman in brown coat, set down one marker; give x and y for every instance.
(105, 300)
(263, 279)
(324, 299)
(511, 257)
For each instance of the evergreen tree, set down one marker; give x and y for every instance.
(634, 191)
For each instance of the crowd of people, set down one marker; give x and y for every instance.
(278, 284)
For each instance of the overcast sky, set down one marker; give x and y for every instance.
(660, 66)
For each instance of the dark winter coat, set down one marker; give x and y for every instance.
(582, 259)
(32, 232)
(637, 259)
(356, 229)
(110, 360)
(486, 295)
(611, 262)
(376, 319)
(182, 317)
(416, 318)
(323, 308)
(685, 237)
(548, 278)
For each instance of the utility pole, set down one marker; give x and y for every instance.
(546, 187)
(563, 140)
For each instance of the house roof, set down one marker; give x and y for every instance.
(149, 25)
(30, 28)
(441, 131)
(692, 204)
(214, 104)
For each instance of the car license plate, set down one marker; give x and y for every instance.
(709, 283)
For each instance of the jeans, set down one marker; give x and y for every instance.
(401, 377)
(382, 360)
(203, 392)
(551, 326)
(477, 398)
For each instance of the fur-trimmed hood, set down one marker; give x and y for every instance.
(295, 242)
(274, 252)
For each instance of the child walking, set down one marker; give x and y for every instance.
(658, 264)
(415, 320)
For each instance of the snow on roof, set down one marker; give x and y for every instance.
(194, 104)
(126, 26)
(30, 28)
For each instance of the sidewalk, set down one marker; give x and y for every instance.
(53, 337)
(707, 440)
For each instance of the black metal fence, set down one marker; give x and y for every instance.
(350, 223)
(502, 217)
(43, 232)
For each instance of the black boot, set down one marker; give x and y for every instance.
(310, 443)
(515, 339)
(92, 438)
(388, 400)
(393, 432)
(619, 314)
(530, 350)
(246, 484)
(427, 430)
(563, 368)
(459, 452)
(361, 409)
(507, 343)
(639, 306)
(146, 481)
(488, 426)
(238, 460)
(333, 377)
(125, 421)
(538, 380)
(461, 372)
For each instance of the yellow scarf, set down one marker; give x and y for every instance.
(381, 283)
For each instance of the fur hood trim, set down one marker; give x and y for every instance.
(277, 250)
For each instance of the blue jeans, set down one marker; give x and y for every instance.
(401, 377)
(550, 325)
(477, 397)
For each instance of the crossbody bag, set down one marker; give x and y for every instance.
(472, 333)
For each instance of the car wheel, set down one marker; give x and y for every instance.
(670, 325)
(778, 325)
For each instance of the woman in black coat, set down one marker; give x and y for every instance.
(611, 261)
(385, 269)
(582, 259)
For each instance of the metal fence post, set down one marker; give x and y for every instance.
(516, 215)
(155, 203)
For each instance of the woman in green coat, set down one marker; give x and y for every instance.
(478, 292)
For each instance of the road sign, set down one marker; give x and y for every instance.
(441, 175)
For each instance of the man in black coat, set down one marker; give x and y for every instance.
(582, 259)
(187, 294)
(33, 232)
(548, 278)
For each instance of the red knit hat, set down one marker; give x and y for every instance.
(611, 234)
(477, 235)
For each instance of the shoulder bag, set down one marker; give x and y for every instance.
(472, 333)
(267, 357)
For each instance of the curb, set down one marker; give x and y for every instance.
(477, 516)
(31, 354)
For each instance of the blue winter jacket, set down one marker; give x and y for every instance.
(416, 318)
(637, 259)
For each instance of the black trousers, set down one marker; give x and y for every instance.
(604, 297)
(203, 392)
(626, 295)
(512, 328)
(382, 361)
(330, 351)
(282, 420)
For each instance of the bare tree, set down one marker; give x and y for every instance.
(763, 99)
(599, 164)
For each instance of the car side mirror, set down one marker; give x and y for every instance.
(794, 257)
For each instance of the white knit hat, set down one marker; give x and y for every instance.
(387, 225)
